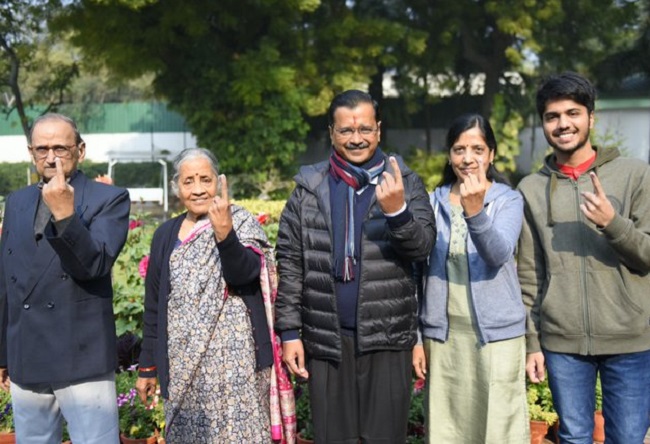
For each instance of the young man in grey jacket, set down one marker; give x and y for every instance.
(584, 268)
(346, 305)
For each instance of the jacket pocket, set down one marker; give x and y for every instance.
(613, 307)
(562, 307)
(499, 304)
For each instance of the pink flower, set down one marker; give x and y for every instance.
(135, 224)
(418, 385)
(104, 179)
(143, 266)
(262, 218)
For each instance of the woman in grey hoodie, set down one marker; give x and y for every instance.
(472, 319)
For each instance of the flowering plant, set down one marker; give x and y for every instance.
(6, 413)
(303, 409)
(540, 403)
(128, 275)
(415, 431)
(137, 420)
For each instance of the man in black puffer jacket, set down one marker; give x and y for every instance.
(350, 237)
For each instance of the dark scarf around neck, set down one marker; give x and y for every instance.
(349, 178)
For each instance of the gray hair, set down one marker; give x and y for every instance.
(189, 154)
(59, 117)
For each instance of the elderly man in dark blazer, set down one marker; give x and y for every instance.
(59, 241)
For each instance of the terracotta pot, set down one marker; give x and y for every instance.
(538, 430)
(7, 438)
(127, 440)
(301, 440)
(599, 427)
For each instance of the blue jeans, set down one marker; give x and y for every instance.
(625, 381)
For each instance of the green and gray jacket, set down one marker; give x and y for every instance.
(586, 289)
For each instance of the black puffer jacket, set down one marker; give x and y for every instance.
(386, 312)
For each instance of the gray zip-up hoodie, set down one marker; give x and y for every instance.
(587, 290)
(494, 289)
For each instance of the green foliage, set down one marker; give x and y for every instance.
(136, 419)
(428, 166)
(506, 123)
(6, 412)
(609, 139)
(540, 403)
(267, 213)
(128, 281)
(243, 93)
(22, 58)
(13, 176)
(416, 432)
(304, 422)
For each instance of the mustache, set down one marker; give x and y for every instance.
(356, 146)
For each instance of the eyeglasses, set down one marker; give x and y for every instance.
(347, 133)
(61, 151)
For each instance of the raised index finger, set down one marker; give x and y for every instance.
(223, 182)
(59, 170)
(598, 188)
(396, 170)
(482, 175)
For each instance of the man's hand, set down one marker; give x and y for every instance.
(5, 382)
(390, 192)
(535, 367)
(472, 191)
(419, 362)
(145, 387)
(58, 195)
(293, 355)
(220, 213)
(596, 206)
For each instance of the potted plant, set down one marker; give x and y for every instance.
(415, 431)
(540, 410)
(7, 435)
(139, 423)
(303, 412)
(599, 420)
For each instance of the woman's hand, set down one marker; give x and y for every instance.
(419, 362)
(219, 212)
(145, 387)
(472, 191)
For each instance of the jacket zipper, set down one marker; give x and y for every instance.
(583, 268)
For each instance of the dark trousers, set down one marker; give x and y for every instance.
(363, 399)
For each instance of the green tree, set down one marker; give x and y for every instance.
(244, 73)
(499, 50)
(23, 38)
(233, 76)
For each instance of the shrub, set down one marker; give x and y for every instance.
(267, 213)
(303, 409)
(540, 403)
(428, 166)
(415, 431)
(6, 413)
(128, 276)
(137, 420)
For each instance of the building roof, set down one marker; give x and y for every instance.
(130, 117)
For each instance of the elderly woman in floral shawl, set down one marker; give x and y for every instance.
(208, 333)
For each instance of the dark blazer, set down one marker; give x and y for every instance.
(56, 311)
(240, 267)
